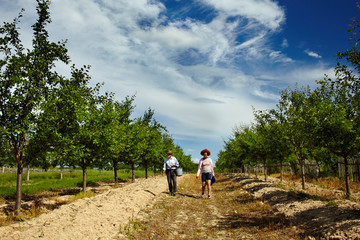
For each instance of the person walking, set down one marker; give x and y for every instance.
(206, 169)
(170, 165)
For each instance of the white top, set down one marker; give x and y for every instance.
(205, 166)
(170, 161)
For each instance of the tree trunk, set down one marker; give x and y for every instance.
(265, 170)
(347, 184)
(18, 188)
(302, 162)
(294, 168)
(100, 171)
(115, 172)
(256, 171)
(3, 169)
(146, 170)
(84, 180)
(133, 171)
(61, 170)
(358, 168)
(282, 171)
(28, 173)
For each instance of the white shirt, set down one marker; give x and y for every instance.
(170, 161)
(205, 165)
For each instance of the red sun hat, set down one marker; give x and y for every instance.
(205, 151)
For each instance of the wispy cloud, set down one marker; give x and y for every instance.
(312, 54)
(285, 43)
(265, 12)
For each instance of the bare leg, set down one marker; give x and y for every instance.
(208, 183)
(203, 184)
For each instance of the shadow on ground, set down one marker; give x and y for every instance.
(326, 221)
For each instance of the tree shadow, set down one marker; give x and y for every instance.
(320, 222)
(327, 220)
(189, 195)
(257, 221)
(150, 192)
(185, 195)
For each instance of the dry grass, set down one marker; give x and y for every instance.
(325, 182)
(232, 213)
(327, 189)
(39, 204)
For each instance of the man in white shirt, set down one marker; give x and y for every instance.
(170, 165)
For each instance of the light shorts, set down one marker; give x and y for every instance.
(206, 176)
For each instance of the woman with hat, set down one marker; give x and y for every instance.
(207, 172)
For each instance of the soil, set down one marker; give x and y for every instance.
(98, 217)
(104, 215)
(334, 219)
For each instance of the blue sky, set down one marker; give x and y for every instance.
(200, 64)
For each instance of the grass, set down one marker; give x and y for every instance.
(45, 181)
(232, 213)
(325, 182)
(324, 188)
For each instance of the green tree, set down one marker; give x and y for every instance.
(238, 149)
(262, 146)
(293, 111)
(337, 124)
(26, 79)
(115, 118)
(85, 145)
(276, 139)
(340, 118)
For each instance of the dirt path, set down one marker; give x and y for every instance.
(98, 217)
(241, 207)
(246, 208)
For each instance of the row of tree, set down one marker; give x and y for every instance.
(321, 124)
(48, 119)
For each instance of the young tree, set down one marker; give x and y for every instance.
(293, 112)
(340, 116)
(338, 127)
(150, 136)
(115, 118)
(26, 79)
(85, 143)
(276, 139)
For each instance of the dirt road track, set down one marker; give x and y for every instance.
(98, 217)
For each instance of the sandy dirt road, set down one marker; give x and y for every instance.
(98, 217)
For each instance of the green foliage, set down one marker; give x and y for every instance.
(48, 181)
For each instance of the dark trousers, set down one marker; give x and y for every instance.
(171, 178)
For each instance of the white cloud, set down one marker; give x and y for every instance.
(284, 43)
(277, 56)
(266, 12)
(170, 37)
(312, 54)
(304, 75)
